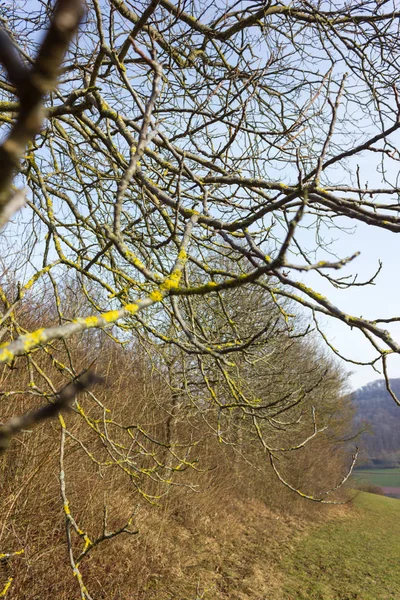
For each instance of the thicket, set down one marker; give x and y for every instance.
(141, 459)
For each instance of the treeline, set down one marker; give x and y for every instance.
(156, 442)
(378, 416)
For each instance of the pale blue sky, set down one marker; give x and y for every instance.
(380, 300)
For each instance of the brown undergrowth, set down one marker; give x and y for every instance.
(209, 519)
(223, 538)
(208, 545)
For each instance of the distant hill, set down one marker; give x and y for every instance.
(376, 411)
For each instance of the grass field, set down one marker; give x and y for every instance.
(354, 557)
(380, 477)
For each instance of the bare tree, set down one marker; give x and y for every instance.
(167, 138)
(183, 155)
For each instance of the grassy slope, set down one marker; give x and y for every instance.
(234, 556)
(250, 553)
(353, 557)
(246, 551)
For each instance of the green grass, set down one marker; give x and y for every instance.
(354, 557)
(380, 477)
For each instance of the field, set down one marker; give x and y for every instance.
(356, 556)
(379, 477)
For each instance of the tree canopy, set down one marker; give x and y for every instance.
(179, 136)
(186, 152)
(170, 177)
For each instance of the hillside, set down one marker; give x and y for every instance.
(252, 553)
(379, 415)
